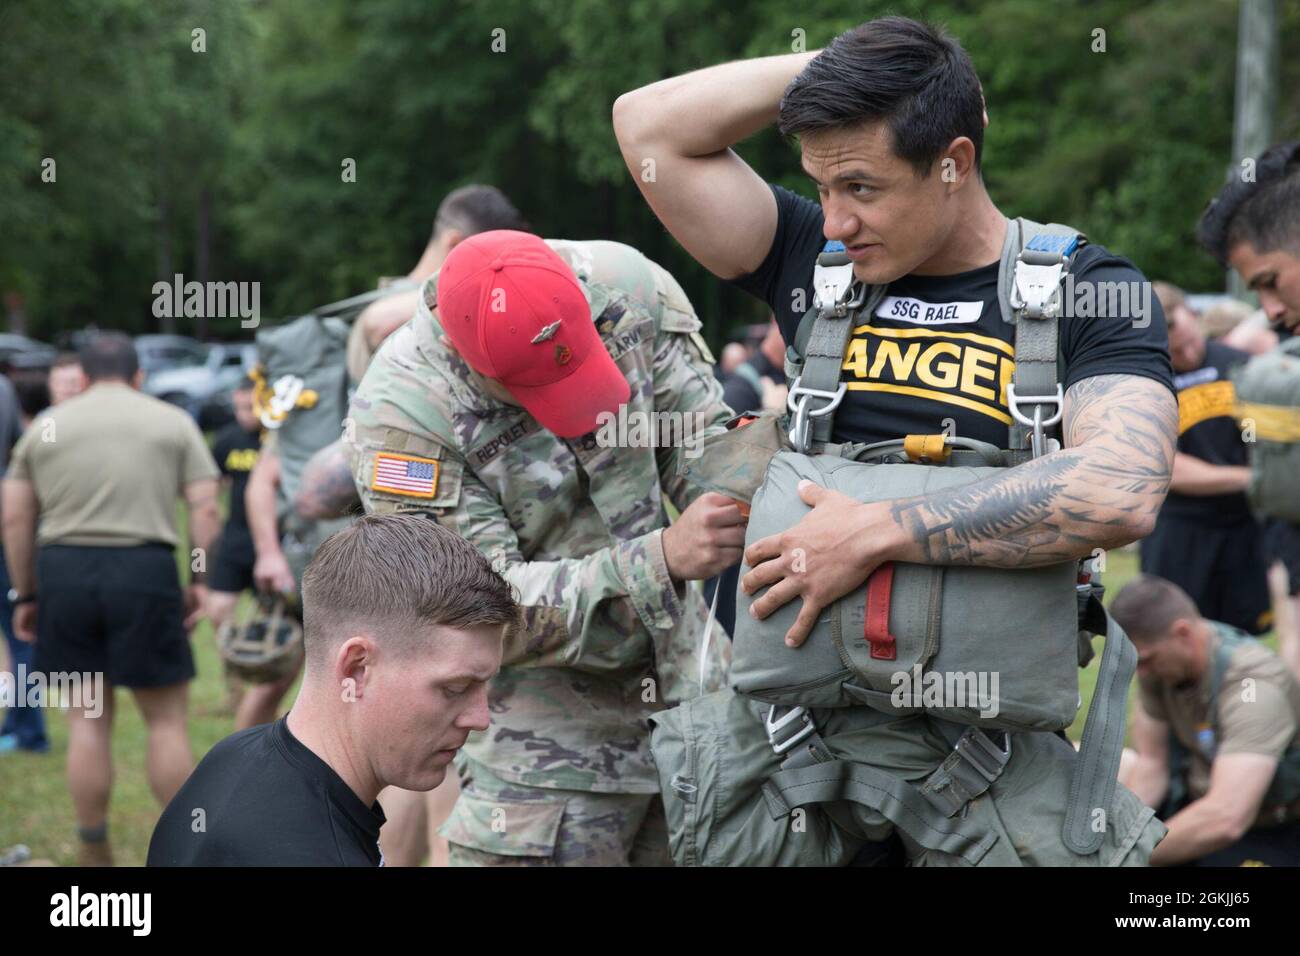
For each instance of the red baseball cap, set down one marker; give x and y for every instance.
(515, 312)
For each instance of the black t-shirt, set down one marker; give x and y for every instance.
(236, 453)
(937, 347)
(266, 800)
(1207, 430)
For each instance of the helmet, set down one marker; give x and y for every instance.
(263, 644)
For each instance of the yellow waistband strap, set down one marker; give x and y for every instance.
(926, 448)
(1272, 422)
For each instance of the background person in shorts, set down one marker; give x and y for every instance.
(235, 449)
(93, 483)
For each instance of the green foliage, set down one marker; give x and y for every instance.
(149, 135)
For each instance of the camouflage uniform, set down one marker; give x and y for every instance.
(575, 526)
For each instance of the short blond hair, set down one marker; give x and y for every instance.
(396, 575)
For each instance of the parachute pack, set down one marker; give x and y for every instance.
(301, 395)
(823, 726)
(1268, 397)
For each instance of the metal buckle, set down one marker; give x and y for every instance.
(797, 402)
(975, 747)
(1036, 289)
(775, 727)
(1037, 423)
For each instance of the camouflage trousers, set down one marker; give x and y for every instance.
(500, 823)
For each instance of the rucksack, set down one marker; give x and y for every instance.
(1268, 398)
(301, 395)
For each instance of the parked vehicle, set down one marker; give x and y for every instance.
(20, 352)
(203, 389)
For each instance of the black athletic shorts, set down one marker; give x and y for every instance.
(118, 611)
(232, 569)
(1282, 543)
(1222, 569)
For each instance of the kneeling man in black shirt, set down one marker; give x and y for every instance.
(404, 623)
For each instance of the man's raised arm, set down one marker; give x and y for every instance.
(676, 137)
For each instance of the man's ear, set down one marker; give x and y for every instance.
(1184, 630)
(137, 380)
(451, 238)
(958, 162)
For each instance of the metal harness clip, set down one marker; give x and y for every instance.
(797, 402)
(1038, 423)
(776, 727)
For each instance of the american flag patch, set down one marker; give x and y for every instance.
(405, 475)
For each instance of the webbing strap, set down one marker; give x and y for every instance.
(875, 627)
(1024, 267)
(892, 797)
(1092, 785)
(968, 771)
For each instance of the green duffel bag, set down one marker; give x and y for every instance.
(1268, 405)
(976, 645)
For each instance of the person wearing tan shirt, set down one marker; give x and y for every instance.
(1216, 731)
(90, 533)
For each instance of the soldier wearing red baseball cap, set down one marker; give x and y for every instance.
(515, 312)
(493, 411)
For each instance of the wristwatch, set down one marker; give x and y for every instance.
(15, 598)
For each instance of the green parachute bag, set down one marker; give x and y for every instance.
(1268, 400)
(1002, 643)
(301, 395)
(729, 802)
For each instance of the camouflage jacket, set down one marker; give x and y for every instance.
(574, 525)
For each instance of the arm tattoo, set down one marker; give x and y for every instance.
(326, 489)
(1100, 491)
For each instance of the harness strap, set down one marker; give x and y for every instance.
(1096, 772)
(892, 797)
(1033, 298)
(968, 772)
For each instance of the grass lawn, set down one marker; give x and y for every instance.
(35, 807)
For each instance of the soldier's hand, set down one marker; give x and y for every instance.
(196, 600)
(826, 555)
(774, 395)
(272, 574)
(25, 622)
(708, 538)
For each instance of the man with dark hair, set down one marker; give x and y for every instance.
(66, 378)
(463, 212)
(93, 483)
(1253, 226)
(890, 120)
(1206, 540)
(403, 629)
(235, 448)
(1217, 733)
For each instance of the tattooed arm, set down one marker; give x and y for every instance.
(1101, 490)
(326, 489)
